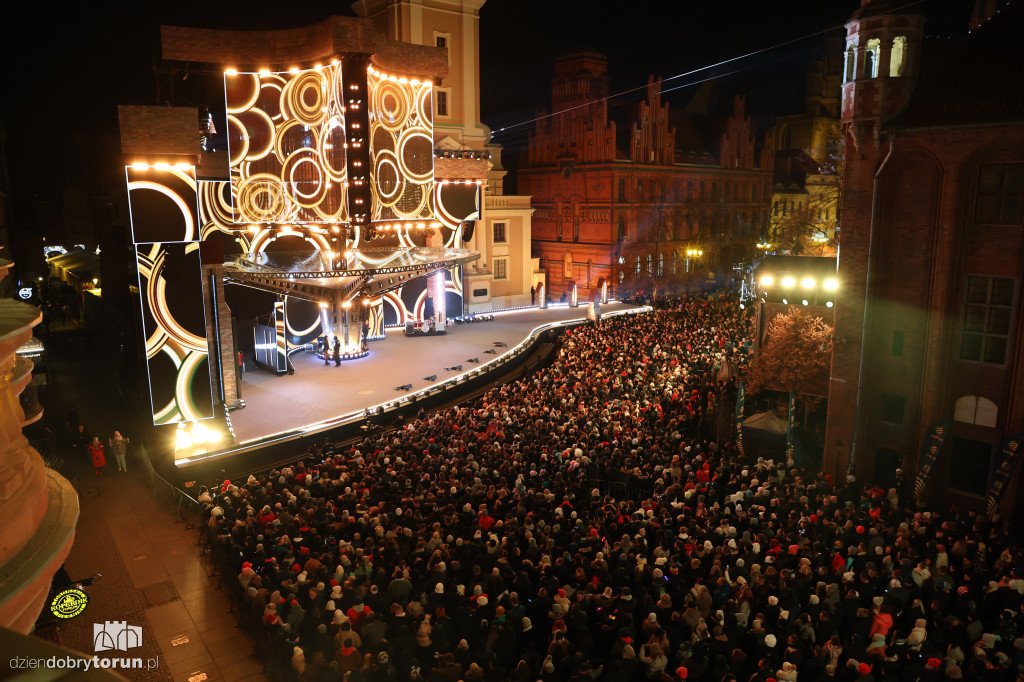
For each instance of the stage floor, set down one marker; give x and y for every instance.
(315, 393)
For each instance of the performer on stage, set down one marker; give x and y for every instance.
(337, 351)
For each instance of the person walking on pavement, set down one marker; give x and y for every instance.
(99, 459)
(118, 448)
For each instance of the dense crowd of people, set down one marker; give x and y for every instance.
(491, 541)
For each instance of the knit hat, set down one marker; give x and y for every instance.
(864, 669)
(682, 672)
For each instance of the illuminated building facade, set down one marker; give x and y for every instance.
(326, 197)
(635, 194)
(928, 320)
(502, 229)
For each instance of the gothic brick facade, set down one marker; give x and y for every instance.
(623, 191)
(928, 321)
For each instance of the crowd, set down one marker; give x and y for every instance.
(488, 542)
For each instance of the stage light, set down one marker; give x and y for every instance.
(346, 304)
(294, 70)
(254, 229)
(767, 281)
(831, 284)
(366, 301)
(785, 302)
(828, 304)
(805, 301)
(323, 305)
(162, 166)
(788, 282)
(140, 165)
(742, 307)
(264, 73)
(230, 72)
(807, 283)
(182, 440)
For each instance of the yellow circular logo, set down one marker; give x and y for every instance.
(69, 603)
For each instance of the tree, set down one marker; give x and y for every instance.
(796, 355)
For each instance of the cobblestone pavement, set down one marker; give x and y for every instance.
(153, 575)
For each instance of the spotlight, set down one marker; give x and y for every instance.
(473, 360)
(432, 377)
(807, 283)
(403, 387)
(491, 351)
(785, 302)
(828, 304)
(804, 301)
(767, 281)
(831, 284)
(788, 282)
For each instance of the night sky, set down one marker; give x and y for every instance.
(67, 72)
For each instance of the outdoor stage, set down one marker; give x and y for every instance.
(318, 397)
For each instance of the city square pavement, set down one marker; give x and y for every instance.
(153, 574)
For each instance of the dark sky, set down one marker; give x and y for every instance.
(66, 72)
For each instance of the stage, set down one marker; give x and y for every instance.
(318, 397)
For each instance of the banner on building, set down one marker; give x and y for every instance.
(740, 398)
(1001, 478)
(790, 424)
(929, 452)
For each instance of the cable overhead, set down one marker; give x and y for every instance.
(693, 71)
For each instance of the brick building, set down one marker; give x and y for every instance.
(928, 324)
(623, 191)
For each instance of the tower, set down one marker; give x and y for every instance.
(880, 68)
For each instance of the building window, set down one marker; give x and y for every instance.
(969, 466)
(567, 266)
(501, 268)
(637, 265)
(897, 344)
(1000, 194)
(898, 56)
(971, 409)
(442, 102)
(441, 40)
(661, 264)
(499, 233)
(871, 58)
(650, 268)
(622, 189)
(622, 228)
(986, 322)
(892, 408)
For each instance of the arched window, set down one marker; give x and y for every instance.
(871, 58)
(650, 265)
(567, 265)
(970, 409)
(785, 138)
(675, 260)
(848, 66)
(622, 228)
(898, 57)
(638, 265)
(661, 264)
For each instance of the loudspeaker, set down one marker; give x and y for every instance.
(468, 226)
(428, 308)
